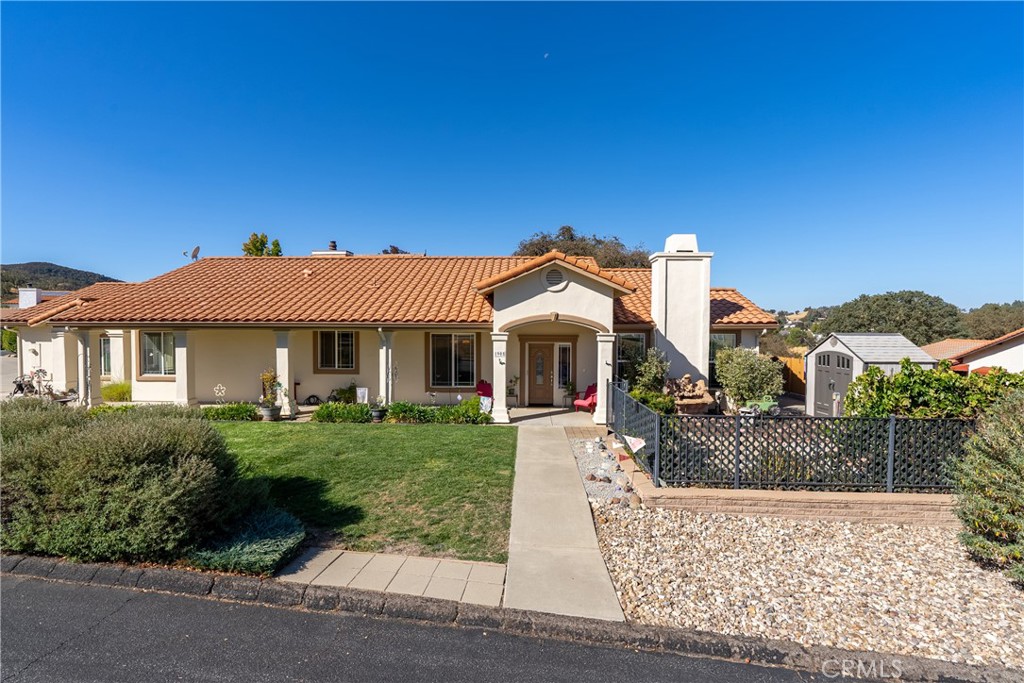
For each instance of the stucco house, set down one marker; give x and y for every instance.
(1006, 352)
(406, 327)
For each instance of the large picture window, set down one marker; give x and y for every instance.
(157, 353)
(629, 353)
(337, 351)
(453, 360)
(105, 356)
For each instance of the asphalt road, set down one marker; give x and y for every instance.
(64, 632)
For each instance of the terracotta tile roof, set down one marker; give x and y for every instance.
(985, 346)
(85, 296)
(584, 264)
(950, 348)
(379, 289)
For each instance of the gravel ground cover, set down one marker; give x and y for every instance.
(882, 588)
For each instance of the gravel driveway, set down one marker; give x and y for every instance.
(883, 588)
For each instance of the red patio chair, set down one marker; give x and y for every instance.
(589, 400)
(484, 389)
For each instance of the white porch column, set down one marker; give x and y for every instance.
(499, 340)
(120, 361)
(605, 365)
(58, 368)
(385, 366)
(184, 368)
(88, 368)
(285, 371)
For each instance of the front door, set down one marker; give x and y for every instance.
(542, 374)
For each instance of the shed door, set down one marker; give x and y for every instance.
(833, 373)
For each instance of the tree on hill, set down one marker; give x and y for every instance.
(994, 320)
(392, 249)
(46, 276)
(257, 246)
(921, 318)
(609, 252)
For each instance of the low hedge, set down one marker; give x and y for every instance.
(263, 541)
(146, 484)
(232, 412)
(466, 412)
(342, 412)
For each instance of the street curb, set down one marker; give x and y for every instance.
(326, 599)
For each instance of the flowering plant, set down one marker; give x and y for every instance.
(271, 387)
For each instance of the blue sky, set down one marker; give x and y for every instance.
(821, 151)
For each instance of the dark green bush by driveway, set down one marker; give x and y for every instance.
(259, 544)
(141, 485)
(990, 488)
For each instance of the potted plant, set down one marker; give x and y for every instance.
(378, 410)
(513, 382)
(570, 388)
(268, 399)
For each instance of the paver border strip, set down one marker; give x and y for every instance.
(274, 593)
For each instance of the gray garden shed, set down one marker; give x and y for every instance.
(840, 357)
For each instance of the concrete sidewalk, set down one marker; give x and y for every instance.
(554, 563)
(479, 583)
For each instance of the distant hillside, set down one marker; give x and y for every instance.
(46, 276)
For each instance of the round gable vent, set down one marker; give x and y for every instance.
(554, 277)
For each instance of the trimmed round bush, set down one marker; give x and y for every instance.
(989, 483)
(141, 485)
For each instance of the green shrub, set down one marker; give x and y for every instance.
(263, 541)
(139, 485)
(104, 409)
(235, 412)
(9, 341)
(746, 375)
(655, 400)
(404, 411)
(29, 416)
(347, 394)
(989, 483)
(918, 392)
(117, 392)
(342, 412)
(651, 373)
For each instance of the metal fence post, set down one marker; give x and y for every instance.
(656, 474)
(891, 460)
(736, 474)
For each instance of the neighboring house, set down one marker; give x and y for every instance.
(1006, 352)
(32, 296)
(832, 364)
(950, 349)
(406, 327)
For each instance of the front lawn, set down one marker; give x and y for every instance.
(443, 490)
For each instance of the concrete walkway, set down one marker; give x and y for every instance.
(554, 564)
(479, 583)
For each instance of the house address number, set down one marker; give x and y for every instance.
(499, 354)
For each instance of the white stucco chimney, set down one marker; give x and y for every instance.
(29, 296)
(681, 305)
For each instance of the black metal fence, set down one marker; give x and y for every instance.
(790, 453)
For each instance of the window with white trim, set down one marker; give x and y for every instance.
(336, 350)
(629, 353)
(453, 360)
(157, 353)
(105, 356)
